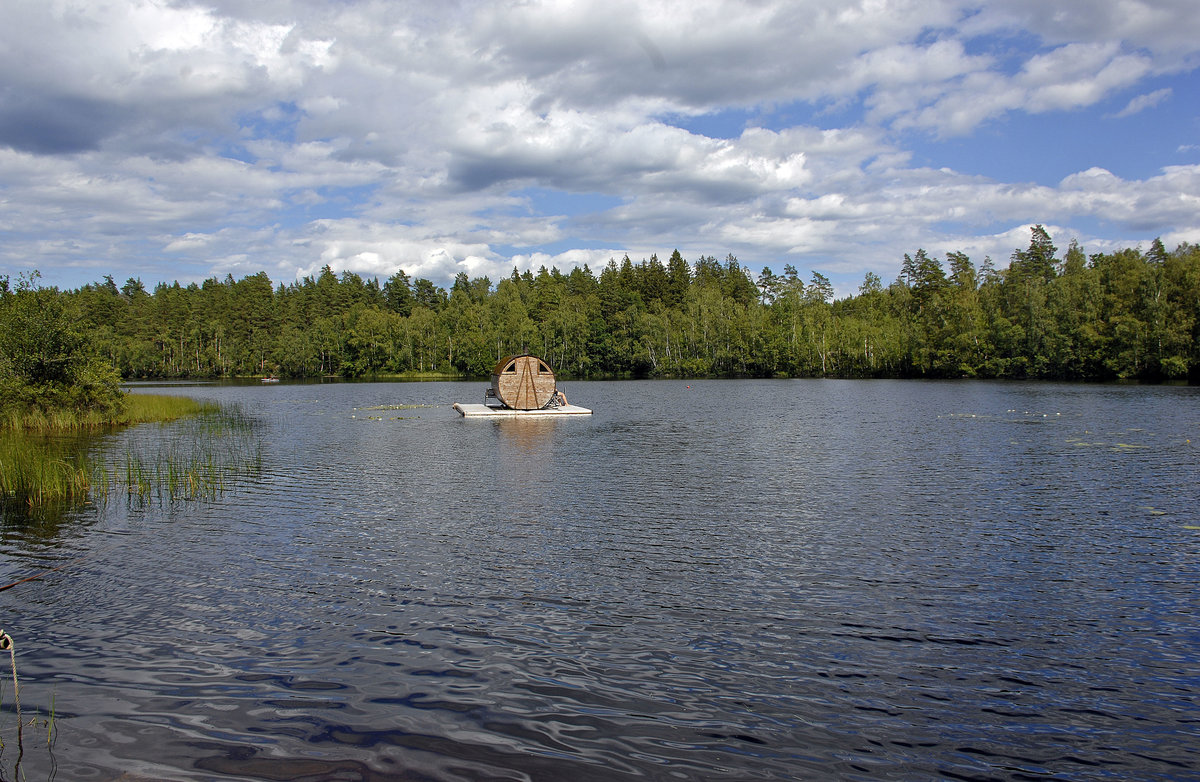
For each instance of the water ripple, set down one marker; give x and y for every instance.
(794, 580)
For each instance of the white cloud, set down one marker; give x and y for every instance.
(374, 135)
(1165, 27)
(1079, 75)
(190, 241)
(1064, 79)
(1143, 102)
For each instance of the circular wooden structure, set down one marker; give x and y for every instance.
(523, 382)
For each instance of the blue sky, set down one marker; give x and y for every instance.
(179, 140)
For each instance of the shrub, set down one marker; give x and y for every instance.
(48, 369)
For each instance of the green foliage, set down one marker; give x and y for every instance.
(40, 471)
(33, 471)
(48, 361)
(1119, 315)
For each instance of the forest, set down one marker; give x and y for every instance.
(1122, 315)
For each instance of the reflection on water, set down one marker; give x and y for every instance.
(529, 436)
(710, 580)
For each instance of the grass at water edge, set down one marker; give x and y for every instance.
(36, 472)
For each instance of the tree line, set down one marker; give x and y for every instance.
(1128, 314)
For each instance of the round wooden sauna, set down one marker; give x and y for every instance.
(523, 382)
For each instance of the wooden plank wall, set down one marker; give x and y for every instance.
(525, 383)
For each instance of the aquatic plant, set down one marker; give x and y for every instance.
(395, 407)
(136, 409)
(34, 471)
(199, 460)
(194, 462)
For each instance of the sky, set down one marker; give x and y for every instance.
(176, 140)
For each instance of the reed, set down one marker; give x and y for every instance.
(134, 409)
(33, 471)
(148, 408)
(194, 461)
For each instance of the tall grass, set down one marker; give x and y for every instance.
(134, 409)
(34, 471)
(38, 468)
(145, 408)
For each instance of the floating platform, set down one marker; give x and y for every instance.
(467, 410)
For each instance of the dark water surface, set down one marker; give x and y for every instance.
(734, 580)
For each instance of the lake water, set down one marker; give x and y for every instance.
(705, 580)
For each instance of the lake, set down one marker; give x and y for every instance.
(705, 580)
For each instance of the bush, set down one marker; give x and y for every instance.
(48, 369)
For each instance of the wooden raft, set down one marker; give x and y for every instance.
(467, 410)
